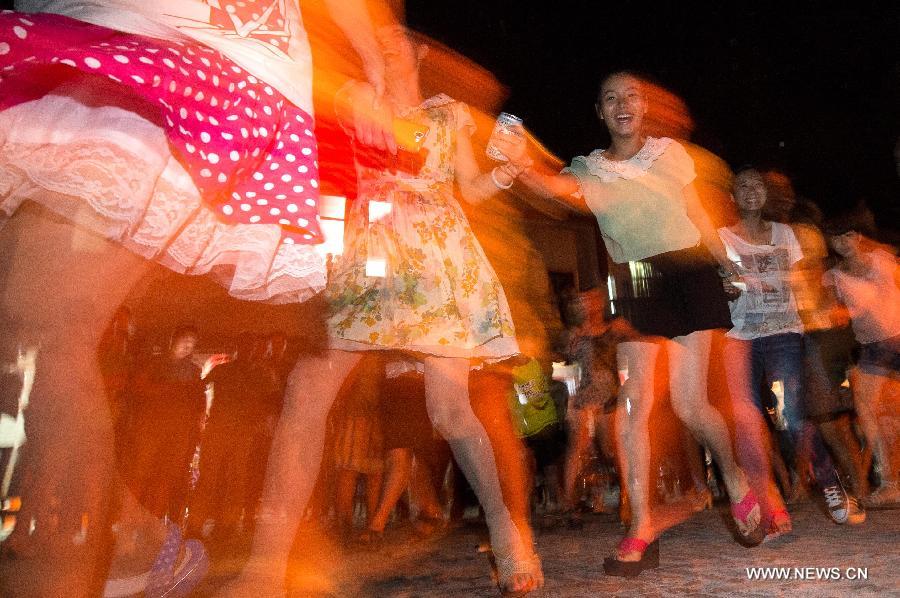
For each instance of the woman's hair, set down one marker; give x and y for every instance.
(746, 167)
(857, 219)
(641, 76)
(806, 211)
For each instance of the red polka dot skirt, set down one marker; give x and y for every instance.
(250, 152)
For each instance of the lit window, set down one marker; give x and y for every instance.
(376, 266)
(331, 221)
(378, 210)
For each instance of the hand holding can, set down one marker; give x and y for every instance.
(506, 125)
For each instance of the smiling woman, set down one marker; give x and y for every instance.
(639, 182)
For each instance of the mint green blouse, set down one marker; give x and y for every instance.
(639, 203)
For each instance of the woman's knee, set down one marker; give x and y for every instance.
(693, 413)
(451, 419)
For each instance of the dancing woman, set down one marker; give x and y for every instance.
(640, 190)
(866, 281)
(178, 131)
(416, 280)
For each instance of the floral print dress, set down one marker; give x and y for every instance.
(413, 276)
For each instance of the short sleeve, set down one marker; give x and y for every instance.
(724, 236)
(579, 169)
(464, 121)
(885, 264)
(794, 250)
(682, 164)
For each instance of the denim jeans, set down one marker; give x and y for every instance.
(779, 358)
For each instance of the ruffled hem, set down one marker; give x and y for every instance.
(109, 169)
(496, 349)
(250, 152)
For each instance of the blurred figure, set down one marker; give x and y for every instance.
(414, 455)
(242, 395)
(503, 230)
(116, 357)
(592, 345)
(865, 281)
(358, 449)
(412, 279)
(767, 349)
(828, 344)
(638, 181)
(269, 357)
(781, 195)
(101, 167)
(166, 403)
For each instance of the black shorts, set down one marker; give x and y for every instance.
(881, 358)
(680, 293)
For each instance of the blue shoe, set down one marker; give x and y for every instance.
(179, 567)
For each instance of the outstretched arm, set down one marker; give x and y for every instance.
(355, 20)
(476, 186)
(358, 105)
(708, 234)
(560, 188)
(537, 176)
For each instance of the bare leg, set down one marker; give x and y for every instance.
(889, 422)
(488, 399)
(636, 399)
(866, 394)
(59, 289)
(579, 441)
(344, 493)
(698, 496)
(447, 401)
(293, 467)
(688, 368)
(425, 492)
(782, 474)
(398, 465)
(754, 446)
(374, 483)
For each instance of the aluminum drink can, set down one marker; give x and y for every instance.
(504, 126)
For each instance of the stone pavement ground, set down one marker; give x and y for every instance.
(697, 558)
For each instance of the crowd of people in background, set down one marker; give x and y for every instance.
(765, 338)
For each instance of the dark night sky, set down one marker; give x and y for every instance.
(822, 81)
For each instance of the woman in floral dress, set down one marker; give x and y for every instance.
(413, 279)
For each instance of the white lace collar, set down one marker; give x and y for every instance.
(636, 166)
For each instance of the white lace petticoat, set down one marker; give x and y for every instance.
(109, 169)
